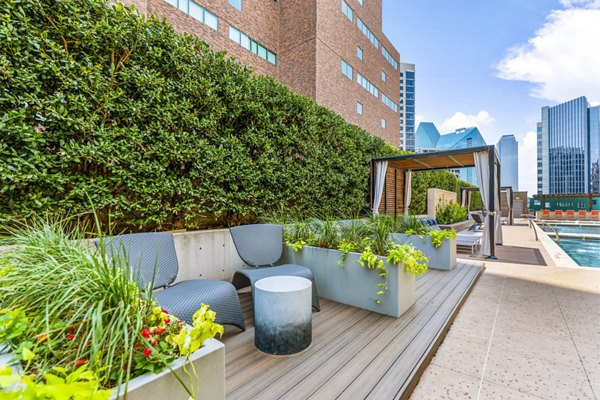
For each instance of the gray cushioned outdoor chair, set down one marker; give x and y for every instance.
(152, 256)
(260, 246)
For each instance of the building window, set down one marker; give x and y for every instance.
(359, 53)
(383, 76)
(249, 44)
(389, 58)
(388, 102)
(347, 70)
(383, 123)
(367, 32)
(197, 12)
(359, 108)
(360, 2)
(366, 84)
(236, 3)
(347, 11)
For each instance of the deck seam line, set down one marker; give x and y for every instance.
(489, 348)
(575, 345)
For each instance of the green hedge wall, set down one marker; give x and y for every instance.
(100, 106)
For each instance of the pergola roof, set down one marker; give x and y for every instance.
(457, 158)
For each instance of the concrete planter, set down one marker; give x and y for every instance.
(458, 226)
(208, 380)
(443, 257)
(353, 284)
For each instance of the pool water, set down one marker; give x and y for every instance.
(582, 229)
(583, 252)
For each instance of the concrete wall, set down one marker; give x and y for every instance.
(208, 254)
(438, 197)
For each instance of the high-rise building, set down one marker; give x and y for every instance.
(569, 148)
(508, 150)
(333, 51)
(428, 139)
(407, 106)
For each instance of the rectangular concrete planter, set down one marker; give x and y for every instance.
(353, 284)
(207, 378)
(458, 226)
(443, 257)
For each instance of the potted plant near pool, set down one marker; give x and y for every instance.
(439, 246)
(74, 327)
(355, 263)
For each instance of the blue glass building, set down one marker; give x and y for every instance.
(569, 148)
(428, 139)
(508, 150)
(407, 106)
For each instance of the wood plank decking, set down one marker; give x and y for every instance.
(355, 354)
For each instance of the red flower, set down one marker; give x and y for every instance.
(146, 333)
(70, 336)
(159, 331)
(167, 320)
(137, 345)
(79, 363)
(147, 352)
(165, 311)
(72, 329)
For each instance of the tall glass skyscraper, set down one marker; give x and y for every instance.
(569, 148)
(407, 106)
(508, 150)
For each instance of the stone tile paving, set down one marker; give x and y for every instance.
(525, 332)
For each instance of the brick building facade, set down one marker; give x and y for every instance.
(333, 51)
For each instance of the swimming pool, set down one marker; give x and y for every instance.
(575, 240)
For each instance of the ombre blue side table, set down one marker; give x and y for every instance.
(282, 314)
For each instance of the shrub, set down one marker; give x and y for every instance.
(451, 213)
(99, 104)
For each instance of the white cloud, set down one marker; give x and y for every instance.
(527, 162)
(462, 120)
(562, 59)
(580, 3)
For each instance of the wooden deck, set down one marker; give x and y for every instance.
(355, 354)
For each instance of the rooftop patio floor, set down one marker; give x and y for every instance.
(525, 332)
(355, 353)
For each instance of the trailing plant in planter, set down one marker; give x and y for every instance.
(437, 237)
(76, 324)
(369, 238)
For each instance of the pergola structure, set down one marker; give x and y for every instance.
(465, 198)
(390, 182)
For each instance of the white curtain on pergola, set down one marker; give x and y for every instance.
(380, 171)
(407, 189)
(498, 211)
(482, 168)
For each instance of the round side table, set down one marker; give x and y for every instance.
(282, 314)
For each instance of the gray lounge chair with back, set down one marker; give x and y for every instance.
(260, 246)
(153, 260)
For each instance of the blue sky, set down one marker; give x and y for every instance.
(494, 63)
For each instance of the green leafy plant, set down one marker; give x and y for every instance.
(415, 261)
(410, 223)
(82, 311)
(451, 213)
(437, 237)
(370, 260)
